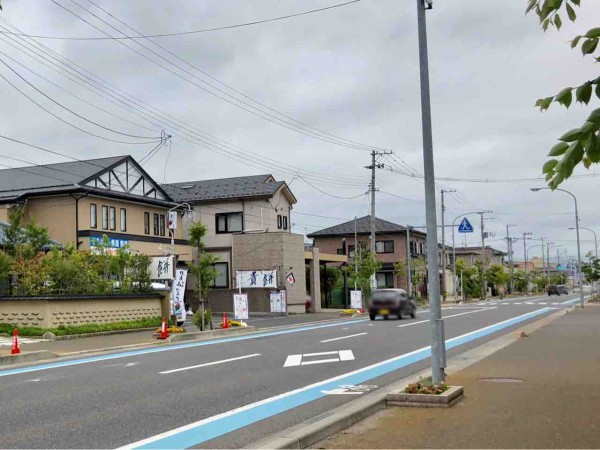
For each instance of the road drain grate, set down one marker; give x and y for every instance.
(502, 380)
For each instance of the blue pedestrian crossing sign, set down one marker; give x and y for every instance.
(465, 226)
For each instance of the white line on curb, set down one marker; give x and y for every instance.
(210, 363)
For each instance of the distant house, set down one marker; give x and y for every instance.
(390, 245)
(471, 255)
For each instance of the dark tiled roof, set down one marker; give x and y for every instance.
(223, 188)
(363, 226)
(50, 177)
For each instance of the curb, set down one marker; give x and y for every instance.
(27, 357)
(207, 335)
(331, 422)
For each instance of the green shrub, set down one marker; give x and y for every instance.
(64, 330)
(197, 319)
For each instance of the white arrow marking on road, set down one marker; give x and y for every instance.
(296, 360)
(210, 363)
(343, 337)
(341, 391)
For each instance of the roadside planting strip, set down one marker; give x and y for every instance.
(221, 424)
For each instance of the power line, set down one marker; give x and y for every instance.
(125, 101)
(183, 33)
(64, 107)
(232, 100)
(330, 195)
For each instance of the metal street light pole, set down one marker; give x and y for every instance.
(438, 345)
(510, 260)
(578, 241)
(595, 249)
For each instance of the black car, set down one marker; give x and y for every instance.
(391, 302)
(559, 289)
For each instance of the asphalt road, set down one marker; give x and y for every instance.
(234, 391)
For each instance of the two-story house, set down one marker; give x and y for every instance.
(471, 255)
(390, 245)
(80, 201)
(248, 228)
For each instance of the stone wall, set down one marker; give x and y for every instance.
(51, 312)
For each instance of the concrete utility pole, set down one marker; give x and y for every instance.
(510, 259)
(482, 258)
(372, 188)
(443, 264)
(408, 261)
(355, 254)
(438, 345)
(525, 257)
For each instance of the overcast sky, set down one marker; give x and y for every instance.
(351, 72)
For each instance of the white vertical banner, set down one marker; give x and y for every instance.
(178, 293)
(356, 299)
(275, 300)
(283, 298)
(240, 306)
(374, 281)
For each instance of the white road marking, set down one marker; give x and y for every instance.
(517, 303)
(343, 337)
(210, 363)
(341, 391)
(448, 317)
(542, 303)
(297, 360)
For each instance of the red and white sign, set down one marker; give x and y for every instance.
(291, 279)
(172, 220)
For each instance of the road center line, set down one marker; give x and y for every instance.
(343, 337)
(214, 363)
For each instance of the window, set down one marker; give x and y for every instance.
(279, 222)
(222, 278)
(162, 224)
(93, 216)
(155, 224)
(384, 247)
(351, 251)
(104, 217)
(147, 223)
(385, 280)
(113, 217)
(123, 219)
(229, 222)
(285, 222)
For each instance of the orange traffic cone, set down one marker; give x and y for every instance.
(362, 310)
(225, 321)
(164, 333)
(15, 347)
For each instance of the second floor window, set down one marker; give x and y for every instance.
(229, 222)
(147, 223)
(384, 247)
(155, 224)
(123, 219)
(93, 216)
(351, 251)
(105, 217)
(113, 218)
(162, 224)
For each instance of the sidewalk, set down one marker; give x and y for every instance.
(105, 342)
(557, 405)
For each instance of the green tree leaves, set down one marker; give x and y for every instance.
(579, 145)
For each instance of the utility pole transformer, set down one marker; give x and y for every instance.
(438, 345)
